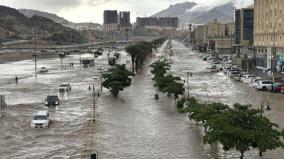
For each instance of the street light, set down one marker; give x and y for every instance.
(187, 81)
(273, 52)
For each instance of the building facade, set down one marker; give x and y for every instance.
(124, 20)
(219, 36)
(157, 22)
(110, 21)
(269, 34)
(244, 30)
(200, 35)
(110, 17)
(215, 29)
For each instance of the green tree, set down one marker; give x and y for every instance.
(242, 128)
(174, 88)
(159, 68)
(133, 51)
(139, 52)
(117, 79)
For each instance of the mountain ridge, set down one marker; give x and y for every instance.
(60, 20)
(189, 12)
(15, 25)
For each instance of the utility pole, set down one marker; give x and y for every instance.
(273, 54)
(187, 73)
(35, 50)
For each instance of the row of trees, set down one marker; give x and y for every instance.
(239, 128)
(166, 82)
(139, 52)
(118, 77)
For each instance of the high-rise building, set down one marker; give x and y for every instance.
(110, 20)
(124, 20)
(110, 17)
(268, 34)
(244, 27)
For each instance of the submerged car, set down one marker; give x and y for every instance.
(41, 120)
(64, 87)
(52, 100)
(43, 70)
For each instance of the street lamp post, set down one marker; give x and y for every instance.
(187, 81)
(35, 49)
(262, 104)
(273, 54)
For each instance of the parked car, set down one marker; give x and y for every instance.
(41, 120)
(213, 68)
(276, 87)
(264, 85)
(248, 78)
(64, 87)
(52, 100)
(282, 89)
(254, 82)
(237, 77)
(43, 70)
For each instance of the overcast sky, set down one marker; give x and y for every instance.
(92, 10)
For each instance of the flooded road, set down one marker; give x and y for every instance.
(132, 126)
(65, 137)
(135, 125)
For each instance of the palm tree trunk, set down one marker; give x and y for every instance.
(242, 155)
(132, 61)
(260, 153)
(136, 64)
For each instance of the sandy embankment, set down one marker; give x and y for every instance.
(18, 56)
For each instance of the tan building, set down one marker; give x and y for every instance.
(221, 34)
(215, 29)
(200, 35)
(229, 29)
(224, 45)
(269, 33)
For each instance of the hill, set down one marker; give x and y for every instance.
(78, 26)
(15, 25)
(193, 13)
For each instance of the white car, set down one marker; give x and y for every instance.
(43, 70)
(41, 120)
(264, 85)
(254, 84)
(246, 77)
(64, 87)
